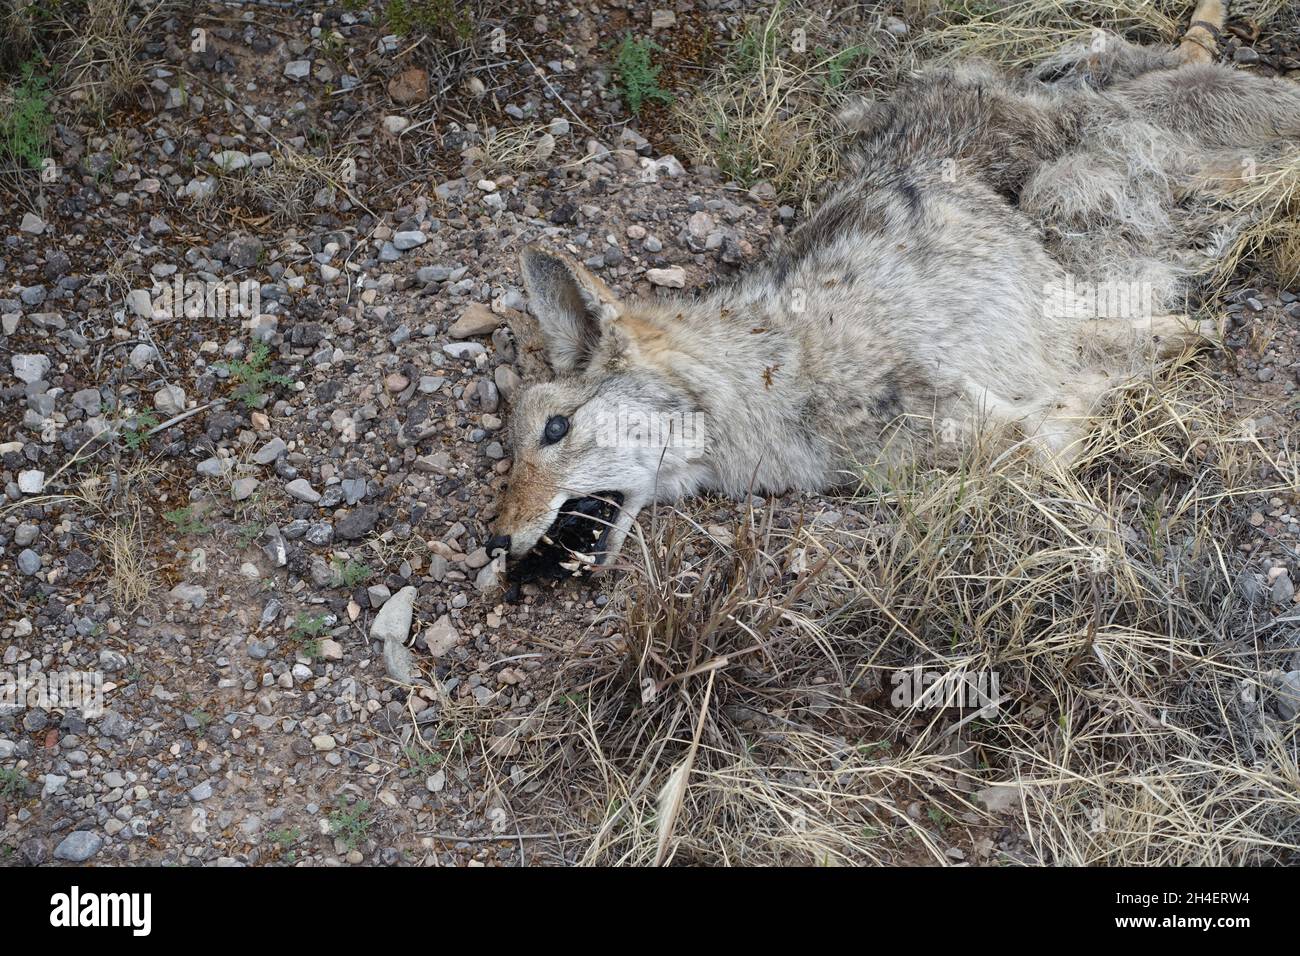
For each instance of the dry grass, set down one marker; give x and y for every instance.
(735, 706)
(769, 115)
(98, 49)
(1272, 240)
(517, 148)
(1020, 33)
(285, 190)
(131, 582)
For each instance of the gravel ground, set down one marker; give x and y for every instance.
(314, 476)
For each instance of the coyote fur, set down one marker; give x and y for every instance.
(935, 292)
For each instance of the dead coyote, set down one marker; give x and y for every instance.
(1003, 250)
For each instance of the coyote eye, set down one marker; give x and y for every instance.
(557, 426)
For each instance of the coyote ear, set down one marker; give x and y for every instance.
(571, 306)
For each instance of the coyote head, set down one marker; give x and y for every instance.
(595, 443)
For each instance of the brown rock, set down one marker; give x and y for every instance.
(410, 86)
(477, 319)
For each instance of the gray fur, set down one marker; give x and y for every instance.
(909, 310)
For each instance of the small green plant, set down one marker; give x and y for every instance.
(352, 573)
(422, 760)
(306, 631)
(138, 433)
(12, 783)
(351, 824)
(185, 521)
(438, 18)
(248, 533)
(284, 840)
(638, 77)
(203, 719)
(252, 376)
(25, 121)
(757, 43)
(940, 817)
(840, 65)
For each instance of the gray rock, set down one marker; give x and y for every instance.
(31, 482)
(400, 663)
(243, 488)
(230, 160)
(140, 302)
(202, 792)
(393, 622)
(78, 846)
(464, 350)
(142, 356)
(297, 69)
(1283, 590)
(29, 368)
(269, 452)
(488, 578)
(354, 489)
(29, 562)
(356, 523)
(170, 400)
(191, 594)
(1288, 696)
(409, 239)
(88, 400)
(301, 489)
(441, 638)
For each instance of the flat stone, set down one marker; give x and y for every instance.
(671, 278)
(31, 482)
(441, 637)
(393, 622)
(301, 489)
(409, 239)
(78, 846)
(269, 452)
(243, 488)
(477, 319)
(191, 594)
(29, 368)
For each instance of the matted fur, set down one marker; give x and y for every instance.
(913, 307)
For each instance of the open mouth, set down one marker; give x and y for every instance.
(573, 543)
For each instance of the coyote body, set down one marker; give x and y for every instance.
(919, 303)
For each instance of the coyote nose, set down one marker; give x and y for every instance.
(498, 542)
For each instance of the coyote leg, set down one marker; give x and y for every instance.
(1162, 336)
(1200, 40)
(1173, 333)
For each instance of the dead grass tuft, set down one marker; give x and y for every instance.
(1020, 33)
(98, 49)
(769, 115)
(131, 582)
(517, 148)
(1272, 240)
